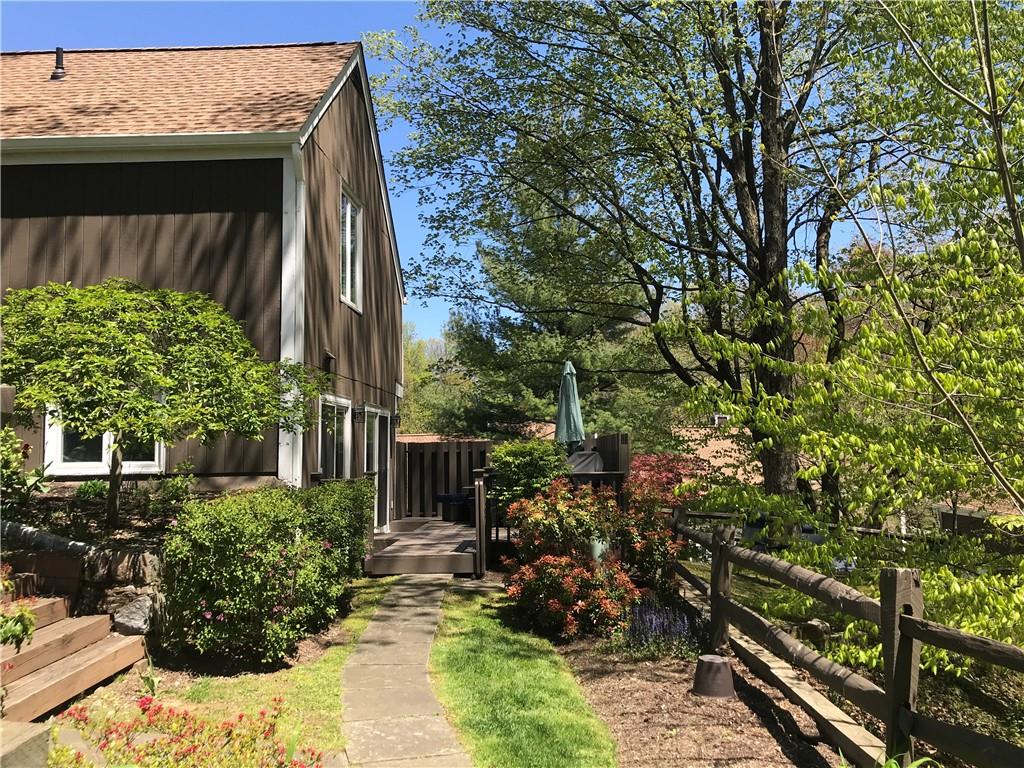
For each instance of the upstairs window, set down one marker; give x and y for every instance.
(351, 283)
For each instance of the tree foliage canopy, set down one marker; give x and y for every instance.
(807, 214)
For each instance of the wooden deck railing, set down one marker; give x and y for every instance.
(899, 614)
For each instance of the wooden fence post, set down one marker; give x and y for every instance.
(900, 590)
(721, 588)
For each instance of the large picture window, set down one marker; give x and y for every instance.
(335, 437)
(351, 251)
(69, 453)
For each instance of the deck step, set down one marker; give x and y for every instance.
(49, 687)
(48, 610)
(388, 565)
(51, 643)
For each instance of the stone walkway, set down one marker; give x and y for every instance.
(391, 718)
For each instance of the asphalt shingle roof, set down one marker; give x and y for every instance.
(145, 91)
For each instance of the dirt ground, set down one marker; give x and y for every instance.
(656, 721)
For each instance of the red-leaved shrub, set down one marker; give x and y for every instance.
(563, 520)
(654, 477)
(568, 597)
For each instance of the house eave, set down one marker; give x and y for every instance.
(17, 147)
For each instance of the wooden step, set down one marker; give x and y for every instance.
(48, 610)
(49, 687)
(387, 565)
(50, 644)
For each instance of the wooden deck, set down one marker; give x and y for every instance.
(423, 545)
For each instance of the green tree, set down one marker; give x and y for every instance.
(641, 158)
(143, 365)
(929, 404)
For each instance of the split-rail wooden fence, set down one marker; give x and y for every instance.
(899, 614)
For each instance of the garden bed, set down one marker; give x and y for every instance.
(309, 682)
(657, 721)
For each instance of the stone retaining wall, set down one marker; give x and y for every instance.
(123, 583)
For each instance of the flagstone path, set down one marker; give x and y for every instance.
(391, 717)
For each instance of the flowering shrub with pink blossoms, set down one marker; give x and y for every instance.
(249, 574)
(156, 736)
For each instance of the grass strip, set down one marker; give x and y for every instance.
(510, 695)
(311, 691)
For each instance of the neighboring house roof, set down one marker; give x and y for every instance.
(143, 99)
(147, 91)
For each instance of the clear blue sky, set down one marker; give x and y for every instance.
(45, 25)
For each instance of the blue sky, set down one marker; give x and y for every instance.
(45, 25)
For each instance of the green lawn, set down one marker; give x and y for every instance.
(311, 691)
(509, 694)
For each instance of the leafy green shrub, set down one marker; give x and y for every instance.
(250, 574)
(165, 496)
(524, 469)
(559, 595)
(17, 486)
(91, 490)
(339, 512)
(17, 623)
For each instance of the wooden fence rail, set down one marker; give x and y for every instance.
(900, 616)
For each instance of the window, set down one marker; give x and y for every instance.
(335, 437)
(351, 272)
(68, 453)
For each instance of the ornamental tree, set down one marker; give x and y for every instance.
(145, 366)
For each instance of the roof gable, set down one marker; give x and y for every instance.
(161, 91)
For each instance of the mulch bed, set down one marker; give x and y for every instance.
(656, 721)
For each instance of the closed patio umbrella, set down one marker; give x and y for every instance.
(569, 419)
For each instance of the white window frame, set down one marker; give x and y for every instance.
(53, 452)
(346, 434)
(355, 271)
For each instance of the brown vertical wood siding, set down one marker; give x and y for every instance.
(209, 226)
(367, 345)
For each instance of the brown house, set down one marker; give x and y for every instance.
(250, 173)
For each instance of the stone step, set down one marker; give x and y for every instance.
(51, 643)
(24, 745)
(39, 692)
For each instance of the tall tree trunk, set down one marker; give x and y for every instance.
(114, 490)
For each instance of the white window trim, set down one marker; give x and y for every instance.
(355, 301)
(346, 436)
(368, 409)
(53, 452)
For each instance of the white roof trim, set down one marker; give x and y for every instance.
(358, 61)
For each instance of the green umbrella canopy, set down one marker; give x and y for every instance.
(569, 420)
